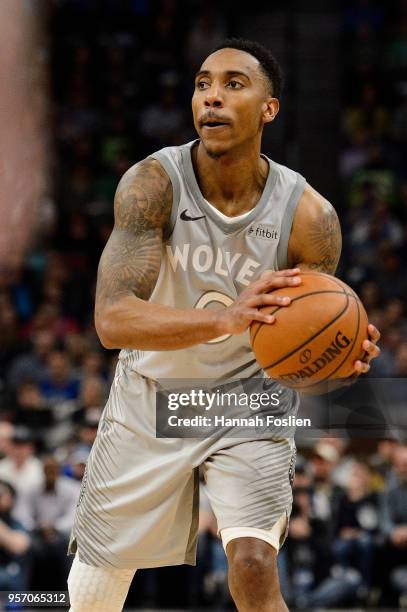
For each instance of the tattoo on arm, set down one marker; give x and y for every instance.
(325, 241)
(131, 260)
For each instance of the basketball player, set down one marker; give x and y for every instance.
(210, 221)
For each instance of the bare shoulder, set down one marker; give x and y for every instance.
(313, 208)
(315, 242)
(143, 197)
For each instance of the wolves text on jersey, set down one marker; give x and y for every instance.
(203, 258)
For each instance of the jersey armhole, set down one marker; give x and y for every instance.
(176, 190)
(287, 222)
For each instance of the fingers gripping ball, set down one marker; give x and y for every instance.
(315, 340)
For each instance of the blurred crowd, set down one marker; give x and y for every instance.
(373, 170)
(347, 537)
(121, 85)
(346, 543)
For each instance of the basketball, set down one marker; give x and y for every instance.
(316, 339)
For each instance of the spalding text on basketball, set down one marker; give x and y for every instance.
(330, 353)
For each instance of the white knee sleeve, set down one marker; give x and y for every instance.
(98, 589)
(274, 536)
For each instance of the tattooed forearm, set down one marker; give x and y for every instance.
(129, 266)
(325, 242)
(130, 263)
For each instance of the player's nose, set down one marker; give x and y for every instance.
(213, 97)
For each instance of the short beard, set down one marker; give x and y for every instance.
(213, 154)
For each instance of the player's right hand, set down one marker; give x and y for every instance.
(236, 318)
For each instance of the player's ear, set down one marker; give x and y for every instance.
(270, 109)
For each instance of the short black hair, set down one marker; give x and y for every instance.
(269, 65)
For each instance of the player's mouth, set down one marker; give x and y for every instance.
(214, 124)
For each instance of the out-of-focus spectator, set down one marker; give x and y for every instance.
(392, 339)
(391, 276)
(161, 50)
(344, 464)
(399, 123)
(214, 577)
(355, 156)
(370, 295)
(32, 411)
(162, 122)
(59, 385)
(207, 31)
(357, 522)
(23, 471)
(394, 314)
(362, 13)
(394, 524)
(396, 53)
(60, 391)
(49, 316)
(6, 433)
(77, 116)
(382, 460)
(302, 476)
(378, 225)
(32, 365)
(368, 115)
(93, 364)
(53, 508)
(400, 366)
(8, 334)
(308, 578)
(14, 544)
(325, 497)
(75, 462)
(87, 431)
(92, 398)
(77, 348)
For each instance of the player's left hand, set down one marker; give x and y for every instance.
(362, 366)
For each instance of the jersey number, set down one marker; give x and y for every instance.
(210, 298)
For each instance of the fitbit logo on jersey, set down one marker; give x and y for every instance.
(262, 231)
(330, 353)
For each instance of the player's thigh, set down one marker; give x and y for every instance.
(249, 488)
(138, 503)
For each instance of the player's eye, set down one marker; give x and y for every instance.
(202, 85)
(234, 84)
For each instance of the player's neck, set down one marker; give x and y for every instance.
(233, 182)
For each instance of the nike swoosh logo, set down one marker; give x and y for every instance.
(185, 217)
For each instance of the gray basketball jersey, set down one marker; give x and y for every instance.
(207, 262)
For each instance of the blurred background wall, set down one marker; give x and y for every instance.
(24, 124)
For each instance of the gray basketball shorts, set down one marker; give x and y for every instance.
(139, 502)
